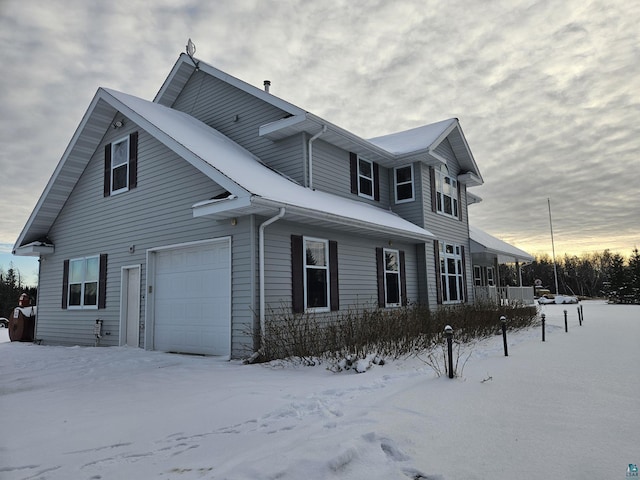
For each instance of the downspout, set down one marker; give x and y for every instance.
(264, 225)
(310, 149)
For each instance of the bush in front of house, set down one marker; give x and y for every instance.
(373, 334)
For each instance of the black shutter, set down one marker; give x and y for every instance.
(380, 275)
(460, 187)
(107, 170)
(464, 274)
(376, 182)
(102, 282)
(432, 179)
(354, 172)
(297, 274)
(65, 284)
(333, 275)
(403, 279)
(133, 160)
(436, 256)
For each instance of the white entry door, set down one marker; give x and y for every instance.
(130, 306)
(191, 292)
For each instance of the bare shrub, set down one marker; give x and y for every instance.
(359, 333)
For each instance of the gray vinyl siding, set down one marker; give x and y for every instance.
(357, 275)
(156, 213)
(332, 173)
(239, 115)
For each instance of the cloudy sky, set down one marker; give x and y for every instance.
(547, 92)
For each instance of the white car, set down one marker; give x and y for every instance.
(557, 299)
(4, 322)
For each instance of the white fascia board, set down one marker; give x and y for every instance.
(35, 249)
(214, 207)
(470, 179)
(416, 233)
(473, 198)
(271, 127)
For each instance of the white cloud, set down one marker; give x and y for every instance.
(547, 93)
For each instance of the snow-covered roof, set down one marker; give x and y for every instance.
(416, 139)
(255, 188)
(482, 242)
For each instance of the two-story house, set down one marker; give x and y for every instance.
(184, 222)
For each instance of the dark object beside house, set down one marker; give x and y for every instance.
(21, 326)
(22, 321)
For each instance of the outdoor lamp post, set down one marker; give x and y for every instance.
(503, 321)
(543, 318)
(448, 331)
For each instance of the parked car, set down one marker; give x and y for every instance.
(4, 323)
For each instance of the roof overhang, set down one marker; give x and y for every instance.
(387, 225)
(34, 249)
(483, 243)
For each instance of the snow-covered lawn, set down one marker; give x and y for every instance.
(568, 408)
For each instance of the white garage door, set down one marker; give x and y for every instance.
(192, 295)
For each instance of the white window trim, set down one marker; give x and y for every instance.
(82, 306)
(441, 175)
(397, 273)
(459, 276)
(491, 276)
(477, 276)
(325, 267)
(371, 179)
(396, 185)
(127, 163)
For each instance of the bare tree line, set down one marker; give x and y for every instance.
(598, 274)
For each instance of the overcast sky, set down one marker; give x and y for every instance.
(547, 92)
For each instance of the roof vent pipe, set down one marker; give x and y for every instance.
(267, 84)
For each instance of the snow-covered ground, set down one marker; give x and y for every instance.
(568, 408)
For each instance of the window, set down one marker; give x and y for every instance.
(392, 285)
(316, 278)
(83, 282)
(477, 275)
(452, 273)
(365, 181)
(365, 178)
(404, 184)
(121, 165)
(490, 276)
(314, 275)
(446, 193)
(392, 278)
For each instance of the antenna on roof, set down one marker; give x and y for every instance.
(191, 50)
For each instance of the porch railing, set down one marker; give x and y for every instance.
(505, 294)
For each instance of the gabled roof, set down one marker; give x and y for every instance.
(253, 187)
(389, 151)
(425, 140)
(482, 242)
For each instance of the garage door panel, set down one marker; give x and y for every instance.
(192, 307)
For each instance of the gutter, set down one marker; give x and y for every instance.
(264, 225)
(310, 150)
